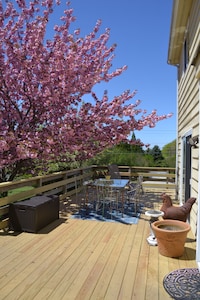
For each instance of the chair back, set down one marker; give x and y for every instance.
(114, 172)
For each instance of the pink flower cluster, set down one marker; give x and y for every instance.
(42, 83)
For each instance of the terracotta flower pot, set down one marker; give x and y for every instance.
(171, 236)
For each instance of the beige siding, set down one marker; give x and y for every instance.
(194, 28)
(188, 100)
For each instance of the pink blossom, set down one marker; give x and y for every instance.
(43, 82)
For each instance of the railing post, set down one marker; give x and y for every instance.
(64, 186)
(129, 173)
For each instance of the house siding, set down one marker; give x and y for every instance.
(188, 105)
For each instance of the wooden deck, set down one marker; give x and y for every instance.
(76, 259)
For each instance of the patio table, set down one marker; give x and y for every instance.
(117, 185)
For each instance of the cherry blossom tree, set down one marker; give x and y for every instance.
(42, 84)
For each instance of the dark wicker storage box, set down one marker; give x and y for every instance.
(33, 214)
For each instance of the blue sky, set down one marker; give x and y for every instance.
(141, 31)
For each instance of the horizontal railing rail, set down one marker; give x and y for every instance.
(70, 182)
(64, 184)
(153, 177)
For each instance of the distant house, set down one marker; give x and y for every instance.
(184, 53)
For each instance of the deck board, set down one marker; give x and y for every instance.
(75, 255)
(116, 284)
(152, 285)
(131, 265)
(139, 287)
(82, 260)
(109, 268)
(163, 269)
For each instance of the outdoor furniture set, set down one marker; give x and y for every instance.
(113, 195)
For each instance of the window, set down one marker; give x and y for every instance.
(185, 54)
(184, 58)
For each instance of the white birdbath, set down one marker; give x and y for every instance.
(154, 215)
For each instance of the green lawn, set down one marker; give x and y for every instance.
(19, 190)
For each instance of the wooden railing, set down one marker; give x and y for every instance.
(64, 184)
(156, 177)
(70, 182)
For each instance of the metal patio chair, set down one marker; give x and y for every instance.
(134, 193)
(114, 172)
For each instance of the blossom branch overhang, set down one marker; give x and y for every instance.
(50, 77)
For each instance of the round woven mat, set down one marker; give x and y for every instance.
(183, 284)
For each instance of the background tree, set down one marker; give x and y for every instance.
(157, 155)
(42, 83)
(136, 147)
(169, 154)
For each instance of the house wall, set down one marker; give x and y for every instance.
(188, 103)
